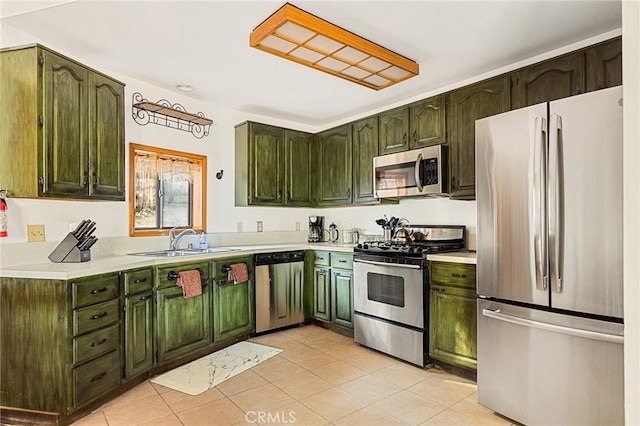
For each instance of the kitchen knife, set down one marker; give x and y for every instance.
(90, 242)
(76, 231)
(88, 230)
(82, 227)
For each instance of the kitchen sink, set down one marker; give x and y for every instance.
(184, 252)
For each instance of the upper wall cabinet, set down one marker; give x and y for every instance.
(62, 128)
(466, 105)
(394, 130)
(365, 147)
(549, 80)
(604, 65)
(427, 120)
(333, 179)
(272, 166)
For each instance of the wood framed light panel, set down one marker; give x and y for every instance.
(298, 36)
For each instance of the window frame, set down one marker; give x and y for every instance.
(164, 152)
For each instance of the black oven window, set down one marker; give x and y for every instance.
(387, 289)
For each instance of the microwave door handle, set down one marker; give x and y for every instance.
(417, 172)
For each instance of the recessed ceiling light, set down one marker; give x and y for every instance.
(185, 87)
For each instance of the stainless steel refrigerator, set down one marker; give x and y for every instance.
(549, 263)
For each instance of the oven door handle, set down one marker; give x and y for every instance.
(399, 265)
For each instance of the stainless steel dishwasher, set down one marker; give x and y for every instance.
(279, 289)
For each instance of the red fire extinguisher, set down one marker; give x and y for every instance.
(3, 213)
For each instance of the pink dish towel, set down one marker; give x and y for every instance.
(238, 273)
(190, 282)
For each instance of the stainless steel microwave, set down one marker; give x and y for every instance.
(412, 173)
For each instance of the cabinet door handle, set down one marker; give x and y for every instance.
(455, 275)
(96, 291)
(404, 139)
(145, 297)
(98, 316)
(98, 343)
(348, 192)
(415, 136)
(141, 280)
(279, 194)
(99, 376)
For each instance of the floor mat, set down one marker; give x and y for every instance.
(204, 373)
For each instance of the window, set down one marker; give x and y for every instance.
(167, 189)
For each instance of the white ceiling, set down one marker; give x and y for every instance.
(206, 44)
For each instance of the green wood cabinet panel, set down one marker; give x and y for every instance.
(342, 296)
(66, 153)
(137, 281)
(453, 326)
(604, 65)
(233, 307)
(428, 122)
(342, 260)
(322, 293)
(453, 274)
(299, 157)
(96, 378)
(334, 177)
(394, 130)
(95, 289)
(365, 147)
(162, 273)
(322, 258)
(183, 324)
(138, 333)
(106, 136)
(35, 318)
(96, 316)
(549, 80)
(466, 105)
(58, 140)
(94, 344)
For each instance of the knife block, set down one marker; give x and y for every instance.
(68, 252)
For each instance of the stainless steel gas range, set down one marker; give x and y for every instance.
(390, 286)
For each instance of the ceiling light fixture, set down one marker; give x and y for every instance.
(185, 87)
(294, 34)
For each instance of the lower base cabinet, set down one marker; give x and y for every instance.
(333, 288)
(233, 304)
(322, 293)
(342, 296)
(453, 314)
(138, 334)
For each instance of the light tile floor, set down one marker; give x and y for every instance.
(319, 378)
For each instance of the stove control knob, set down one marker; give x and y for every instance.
(359, 246)
(365, 246)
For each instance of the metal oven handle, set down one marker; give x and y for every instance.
(417, 172)
(370, 262)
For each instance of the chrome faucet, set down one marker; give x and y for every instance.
(174, 239)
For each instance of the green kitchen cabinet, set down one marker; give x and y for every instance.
(273, 166)
(66, 126)
(453, 314)
(183, 325)
(342, 296)
(365, 147)
(233, 304)
(604, 65)
(427, 119)
(322, 293)
(466, 105)
(393, 130)
(333, 177)
(138, 321)
(546, 81)
(299, 157)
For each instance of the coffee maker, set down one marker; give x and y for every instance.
(316, 225)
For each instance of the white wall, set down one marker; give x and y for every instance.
(631, 76)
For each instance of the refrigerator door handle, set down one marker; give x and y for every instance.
(555, 202)
(539, 208)
(594, 335)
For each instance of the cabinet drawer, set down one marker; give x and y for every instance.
(322, 258)
(453, 274)
(342, 260)
(96, 378)
(94, 290)
(95, 317)
(95, 344)
(162, 274)
(138, 281)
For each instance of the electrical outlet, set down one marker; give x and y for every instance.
(35, 233)
(297, 226)
(259, 226)
(239, 226)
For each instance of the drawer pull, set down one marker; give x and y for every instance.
(102, 290)
(342, 261)
(98, 316)
(459, 275)
(98, 377)
(139, 280)
(148, 296)
(98, 343)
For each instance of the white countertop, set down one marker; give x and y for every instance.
(456, 257)
(65, 271)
